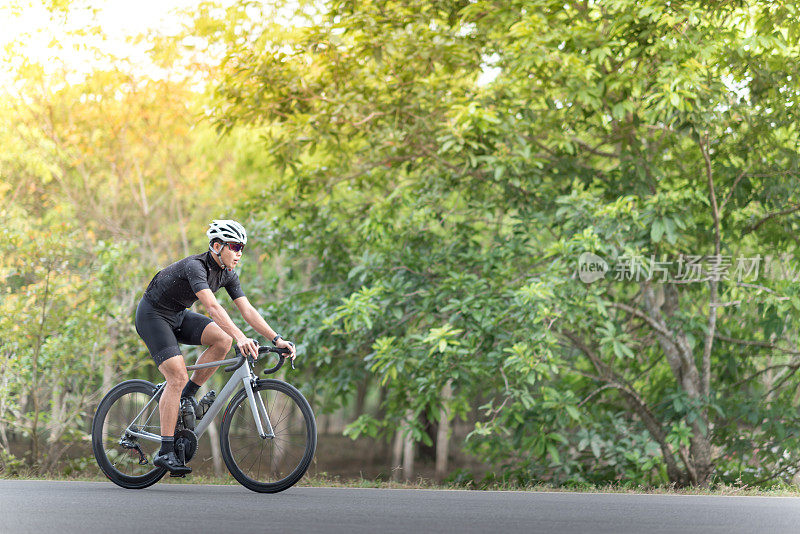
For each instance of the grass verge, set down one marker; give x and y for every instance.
(325, 480)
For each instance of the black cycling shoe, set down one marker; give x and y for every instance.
(170, 462)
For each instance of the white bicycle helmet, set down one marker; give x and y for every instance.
(227, 231)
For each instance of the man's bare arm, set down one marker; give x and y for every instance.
(254, 319)
(223, 320)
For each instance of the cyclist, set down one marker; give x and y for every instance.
(163, 321)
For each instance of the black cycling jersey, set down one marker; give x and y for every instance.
(174, 288)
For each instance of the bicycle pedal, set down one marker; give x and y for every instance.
(177, 475)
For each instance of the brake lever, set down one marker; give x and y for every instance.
(250, 359)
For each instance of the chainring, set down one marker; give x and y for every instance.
(189, 441)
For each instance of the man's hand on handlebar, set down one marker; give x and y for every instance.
(283, 344)
(248, 347)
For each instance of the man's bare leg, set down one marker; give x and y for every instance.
(219, 344)
(174, 370)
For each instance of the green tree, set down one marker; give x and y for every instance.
(104, 176)
(435, 220)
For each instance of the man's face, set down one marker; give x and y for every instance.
(230, 258)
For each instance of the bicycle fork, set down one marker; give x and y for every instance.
(257, 408)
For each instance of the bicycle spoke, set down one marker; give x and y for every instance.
(272, 459)
(119, 417)
(118, 451)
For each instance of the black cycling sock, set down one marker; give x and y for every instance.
(167, 444)
(190, 389)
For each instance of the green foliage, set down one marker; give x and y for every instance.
(59, 320)
(442, 216)
(97, 183)
(420, 179)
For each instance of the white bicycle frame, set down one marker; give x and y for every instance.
(243, 375)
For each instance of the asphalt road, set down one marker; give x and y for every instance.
(96, 507)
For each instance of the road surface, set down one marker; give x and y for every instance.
(95, 507)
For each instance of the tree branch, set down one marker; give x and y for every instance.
(661, 329)
(783, 379)
(792, 365)
(634, 401)
(733, 188)
(713, 283)
(594, 150)
(762, 344)
(755, 226)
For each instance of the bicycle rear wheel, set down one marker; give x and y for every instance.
(269, 465)
(117, 452)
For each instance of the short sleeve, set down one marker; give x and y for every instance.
(196, 275)
(233, 287)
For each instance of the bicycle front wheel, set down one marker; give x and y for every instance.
(124, 458)
(272, 464)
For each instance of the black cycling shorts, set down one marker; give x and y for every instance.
(163, 330)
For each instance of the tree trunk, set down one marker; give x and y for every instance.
(108, 370)
(676, 347)
(57, 420)
(443, 433)
(409, 449)
(3, 395)
(361, 395)
(380, 412)
(322, 423)
(397, 455)
(339, 421)
(34, 387)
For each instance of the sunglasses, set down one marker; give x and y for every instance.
(235, 247)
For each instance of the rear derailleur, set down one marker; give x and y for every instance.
(129, 442)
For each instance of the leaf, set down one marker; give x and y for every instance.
(669, 226)
(553, 452)
(573, 412)
(595, 444)
(657, 230)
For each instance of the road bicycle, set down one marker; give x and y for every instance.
(268, 434)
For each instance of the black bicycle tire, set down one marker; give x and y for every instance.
(311, 443)
(118, 478)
